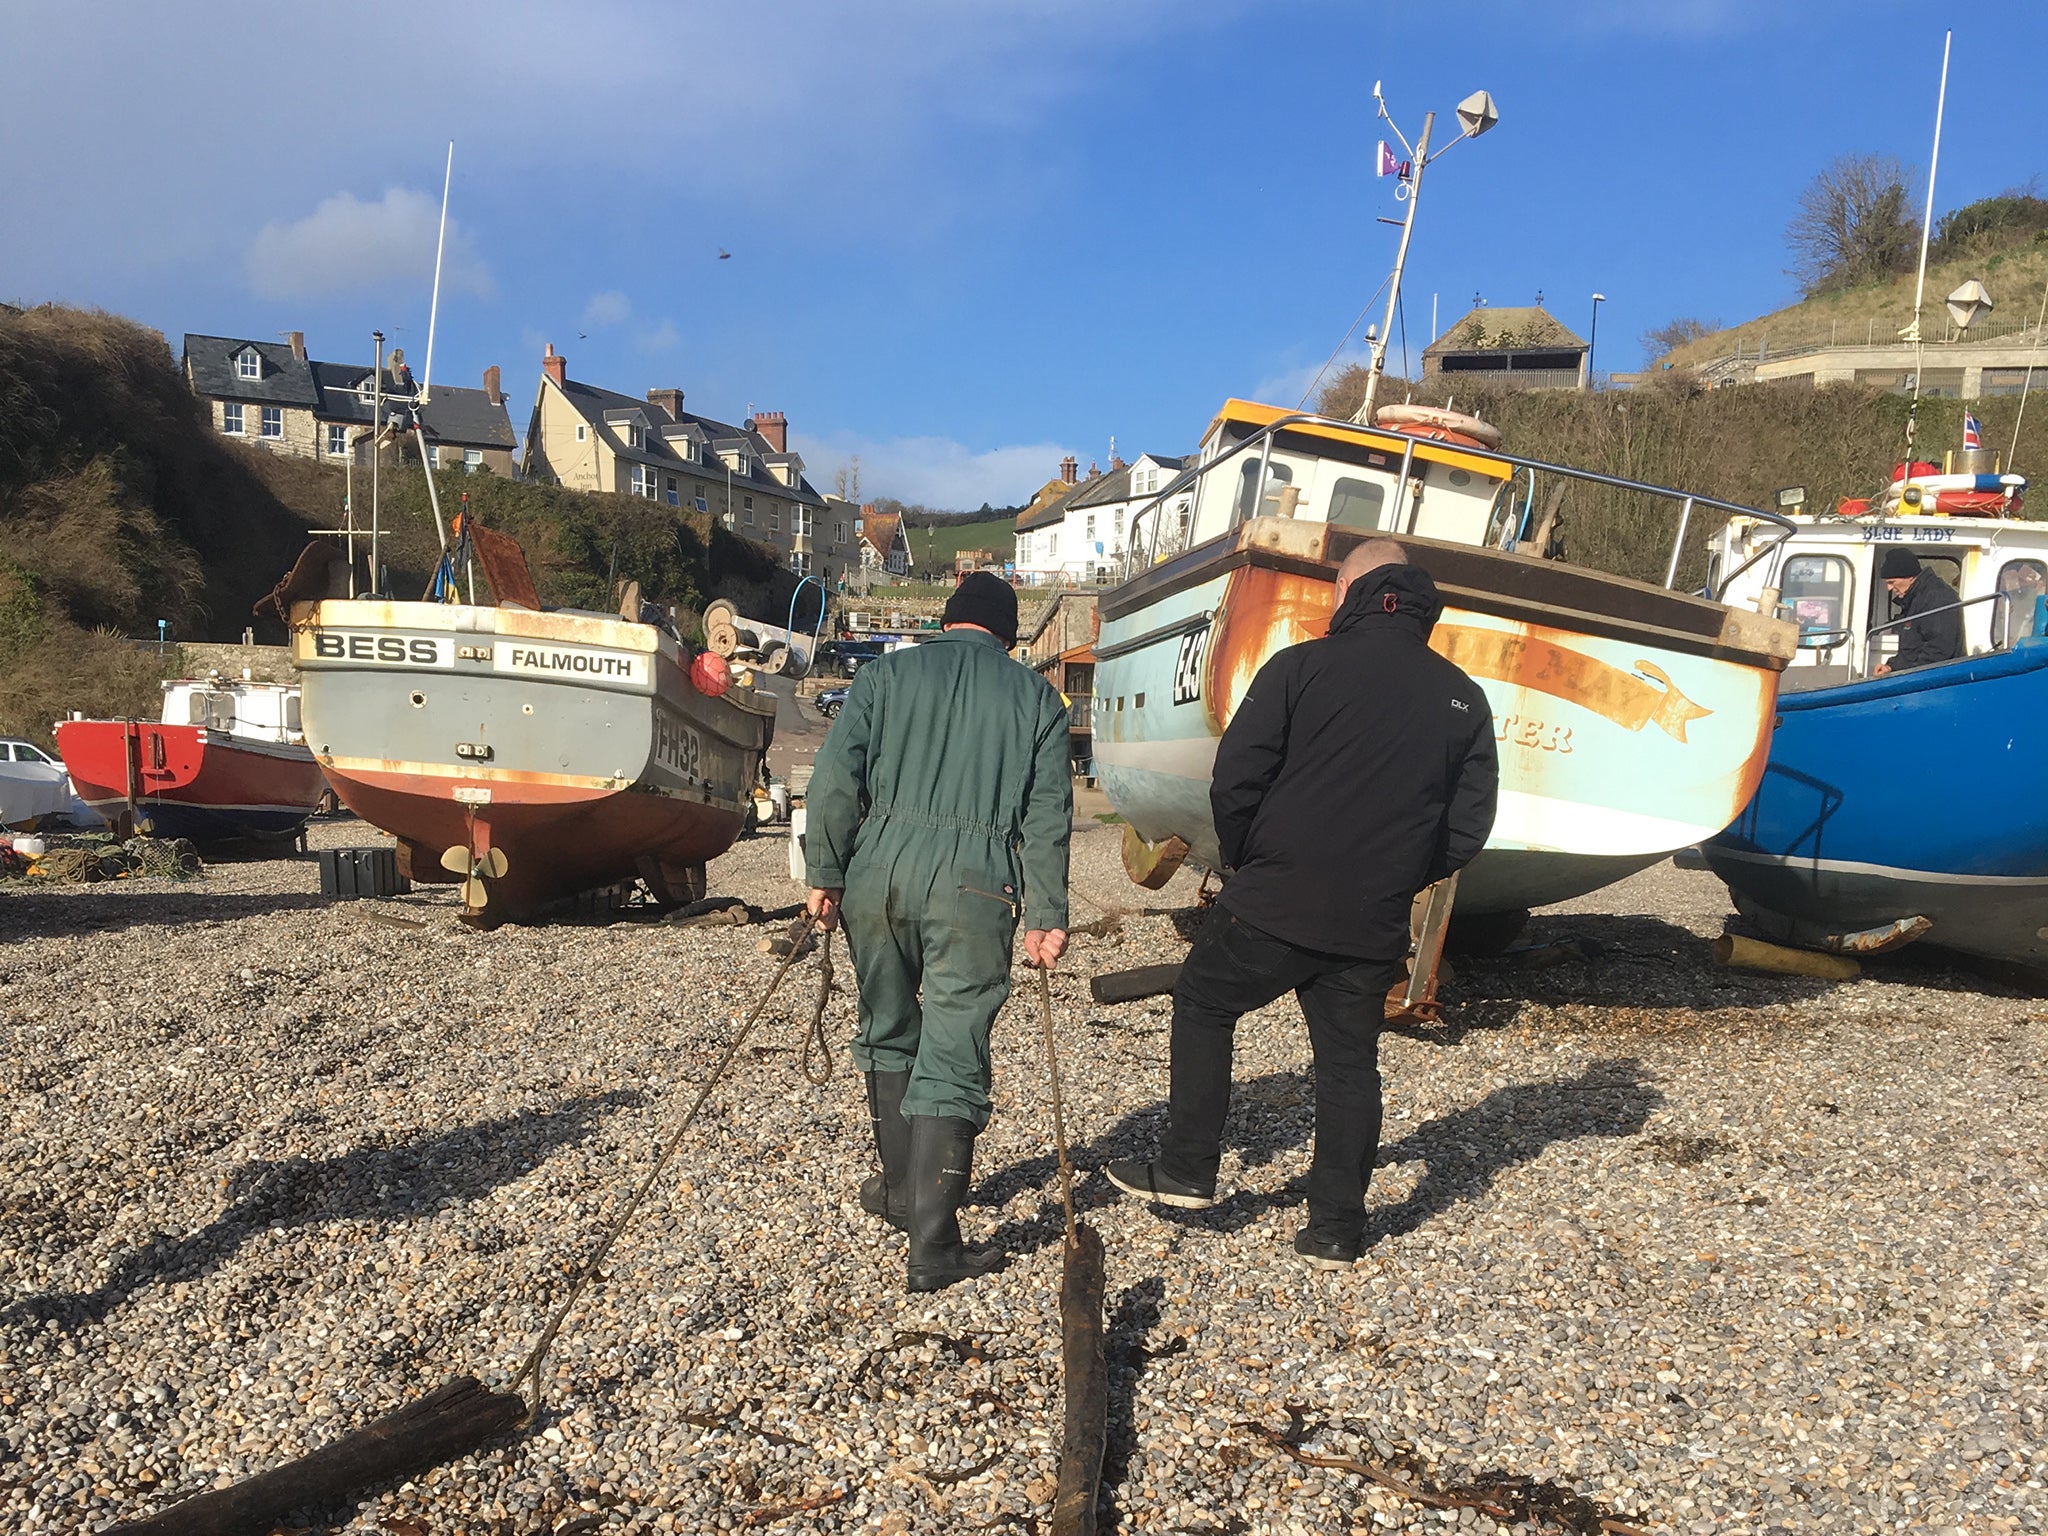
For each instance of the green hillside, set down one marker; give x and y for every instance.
(934, 549)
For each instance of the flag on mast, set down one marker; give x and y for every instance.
(1389, 166)
(1973, 435)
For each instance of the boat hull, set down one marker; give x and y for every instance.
(574, 745)
(1845, 833)
(1620, 739)
(190, 781)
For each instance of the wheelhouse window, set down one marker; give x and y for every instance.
(1357, 503)
(231, 419)
(1817, 594)
(2024, 613)
(1249, 502)
(273, 421)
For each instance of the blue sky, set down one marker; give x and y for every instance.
(965, 238)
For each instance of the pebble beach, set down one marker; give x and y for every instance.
(1655, 1245)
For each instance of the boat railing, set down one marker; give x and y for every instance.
(2001, 629)
(1150, 542)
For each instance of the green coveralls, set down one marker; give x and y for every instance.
(941, 804)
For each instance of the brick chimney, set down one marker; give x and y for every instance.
(298, 341)
(670, 400)
(774, 426)
(555, 366)
(1070, 470)
(492, 392)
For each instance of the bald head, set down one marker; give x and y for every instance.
(1369, 556)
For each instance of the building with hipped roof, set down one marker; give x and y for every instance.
(1078, 529)
(588, 438)
(272, 394)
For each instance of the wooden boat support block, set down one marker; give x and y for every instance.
(1085, 1386)
(1129, 986)
(361, 872)
(452, 1421)
(1755, 955)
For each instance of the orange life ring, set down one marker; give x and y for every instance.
(1416, 419)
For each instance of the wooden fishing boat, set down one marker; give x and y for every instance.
(1632, 719)
(1841, 845)
(226, 763)
(529, 753)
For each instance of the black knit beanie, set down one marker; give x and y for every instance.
(1899, 565)
(986, 600)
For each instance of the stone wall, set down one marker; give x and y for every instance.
(265, 663)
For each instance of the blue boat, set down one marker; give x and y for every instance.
(1911, 795)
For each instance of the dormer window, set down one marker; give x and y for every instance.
(366, 387)
(248, 364)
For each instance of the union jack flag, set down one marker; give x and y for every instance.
(1973, 435)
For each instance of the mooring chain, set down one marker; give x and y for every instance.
(798, 933)
(1059, 1118)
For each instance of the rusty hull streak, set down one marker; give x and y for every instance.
(1530, 658)
(1262, 611)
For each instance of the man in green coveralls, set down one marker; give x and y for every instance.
(939, 813)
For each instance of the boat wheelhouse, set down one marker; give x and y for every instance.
(1633, 719)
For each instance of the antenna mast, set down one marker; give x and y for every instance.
(1926, 227)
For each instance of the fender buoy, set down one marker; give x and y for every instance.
(1449, 425)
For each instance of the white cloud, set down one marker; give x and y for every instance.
(936, 471)
(346, 245)
(608, 308)
(661, 339)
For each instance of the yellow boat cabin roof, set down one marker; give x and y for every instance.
(1250, 414)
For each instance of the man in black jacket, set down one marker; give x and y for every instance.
(1934, 631)
(1358, 769)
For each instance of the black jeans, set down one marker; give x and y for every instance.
(1234, 968)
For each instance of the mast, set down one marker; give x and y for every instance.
(1379, 345)
(1926, 228)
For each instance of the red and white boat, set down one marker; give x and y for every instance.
(227, 762)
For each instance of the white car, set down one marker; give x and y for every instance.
(34, 785)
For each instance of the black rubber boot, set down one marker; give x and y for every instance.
(887, 1194)
(941, 1167)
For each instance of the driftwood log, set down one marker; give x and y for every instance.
(451, 1422)
(1128, 986)
(1085, 1391)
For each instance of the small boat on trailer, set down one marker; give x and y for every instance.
(529, 754)
(1632, 719)
(1902, 805)
(227, 763)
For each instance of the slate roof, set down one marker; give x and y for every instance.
(210, 367)
(1505, 329)
(603, 408)
(461, 418)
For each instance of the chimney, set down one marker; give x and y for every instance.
(491, 391)
(1069, 470)
(555, 366)
(670, 400)
(298, 341)
(774, 426)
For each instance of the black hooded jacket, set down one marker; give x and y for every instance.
(1358, 769)
(1928, 637)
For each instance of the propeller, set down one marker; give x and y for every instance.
(475, 869)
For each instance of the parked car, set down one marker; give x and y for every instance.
(843, 658)
(34, 788)
(829, 701)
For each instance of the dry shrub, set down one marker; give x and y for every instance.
(70, 668)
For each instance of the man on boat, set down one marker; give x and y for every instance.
(1359, 768)
(939, 813)
(1934, 628)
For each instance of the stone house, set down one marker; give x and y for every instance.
(1529, 347)
(270, 393)
(591, 439)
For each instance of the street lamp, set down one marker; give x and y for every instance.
(1593, 336)
(1476, 114)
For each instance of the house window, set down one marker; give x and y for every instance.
(644, 480)
(231, 419)
(775, 519)
(670, 490)
(800, 521)
(1090, 534)
(839, 533)
(434, 456)
(703, 505)
(248, 364)
(1120, 525)
(799, 562)
(748, 503)
(472, 460)
(273, 421)
(337, 437)
(746, 510)
(582, 431)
